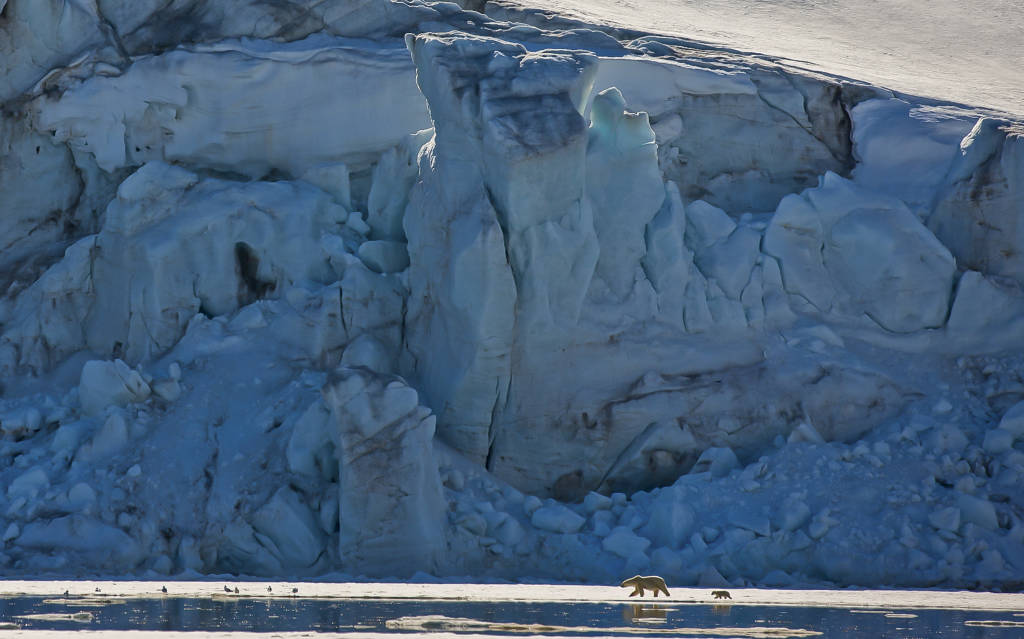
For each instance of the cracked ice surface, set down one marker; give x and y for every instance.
(305, 291)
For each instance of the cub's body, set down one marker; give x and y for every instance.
(639, 584)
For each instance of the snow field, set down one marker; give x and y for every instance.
(940, 49)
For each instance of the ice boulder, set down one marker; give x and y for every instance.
(987, 312)
(109, 383)
(1013, 421)
(718, 461)
(948, 438)
(823, 522)
(93, 544)
(670, 564)
(977, 212)
(848, 250)
(108, 440)
(28, 485)
(509, 532)
(793, 514)
(368, 352)
(81, 497)
(671, 522)
(168, 390)
(998, 441)
(625, 543)
(595, 502)
(557, 518)
(805, 432)
(909, 292)
(384, 256)
(980, 512)
(707, 225)
(332, 178)
(292, 532)
(750, 520)
(391, 505)
(730, 259)
(947, 519)
(68, 437)
(21, 422)
(239, 549)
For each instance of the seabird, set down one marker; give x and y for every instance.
(236, 590)
(226, 589)
(163, 589)
(295, 591)
(269, 589)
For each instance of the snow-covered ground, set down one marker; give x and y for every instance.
(966, 52)
(861, 599)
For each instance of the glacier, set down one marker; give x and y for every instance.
(483, 291)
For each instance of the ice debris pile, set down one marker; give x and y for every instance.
(380, 287)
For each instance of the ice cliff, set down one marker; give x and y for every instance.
(376, 287)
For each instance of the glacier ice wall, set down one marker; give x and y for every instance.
(381, 286)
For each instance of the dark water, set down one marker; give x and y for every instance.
(372, 615)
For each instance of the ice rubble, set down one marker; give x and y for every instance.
(496, 302)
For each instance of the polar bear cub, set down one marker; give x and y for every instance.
(639, 584)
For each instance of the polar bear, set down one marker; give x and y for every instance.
(639, 584)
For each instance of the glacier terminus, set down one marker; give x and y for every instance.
(492, 290)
